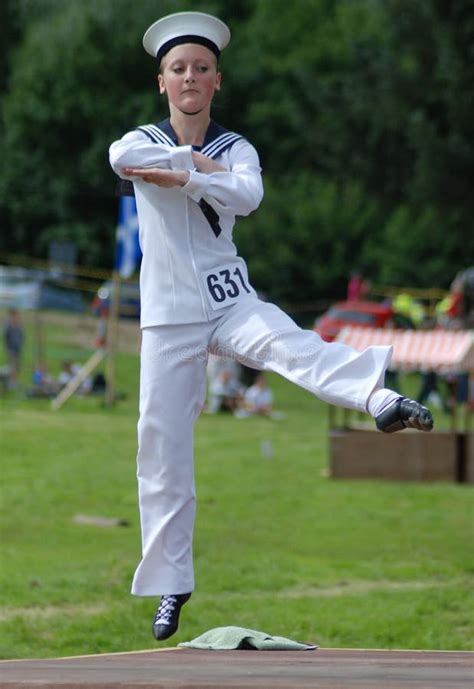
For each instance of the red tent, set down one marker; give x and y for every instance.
(443, 351)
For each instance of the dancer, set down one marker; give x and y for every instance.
(191, 178)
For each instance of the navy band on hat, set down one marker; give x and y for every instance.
(186, 27)
(179, 40)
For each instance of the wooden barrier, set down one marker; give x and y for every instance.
(406, 456)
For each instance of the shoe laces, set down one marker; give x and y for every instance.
(418, 417)
(166, 609)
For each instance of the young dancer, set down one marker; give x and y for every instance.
(191, 178)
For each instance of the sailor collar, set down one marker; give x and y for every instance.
(217, 139)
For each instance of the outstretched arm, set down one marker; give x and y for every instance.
(237, 191)
(135, 150)
(173, 178)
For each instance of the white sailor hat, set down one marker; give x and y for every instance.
(186, 27)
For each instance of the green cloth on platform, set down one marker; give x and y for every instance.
(230, 638)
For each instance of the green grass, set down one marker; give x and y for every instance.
(279, 546)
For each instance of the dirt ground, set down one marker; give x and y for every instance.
(186, 668)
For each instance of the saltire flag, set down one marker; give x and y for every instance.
(127, 253)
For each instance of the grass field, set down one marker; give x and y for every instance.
(279, 546)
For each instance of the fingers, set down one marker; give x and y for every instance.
(134, 171)
(158, 176)
(150, 175)
(205, 164)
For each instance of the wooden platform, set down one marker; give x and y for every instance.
(408, 456)
(193, 669)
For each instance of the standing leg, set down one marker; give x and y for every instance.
(172, 392)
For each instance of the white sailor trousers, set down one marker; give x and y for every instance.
(172, 395)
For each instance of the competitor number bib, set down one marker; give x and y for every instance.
(225, 285)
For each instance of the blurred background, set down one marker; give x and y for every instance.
(362, 112)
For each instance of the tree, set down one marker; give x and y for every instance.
(82, 89)
(361, 110)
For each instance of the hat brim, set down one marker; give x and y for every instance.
(174, 27)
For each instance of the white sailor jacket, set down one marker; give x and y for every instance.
(190, 268)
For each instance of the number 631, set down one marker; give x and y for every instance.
(222, 286)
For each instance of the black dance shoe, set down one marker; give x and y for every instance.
(166, 620)
(404, 413)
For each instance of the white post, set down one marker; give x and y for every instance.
(71, 387)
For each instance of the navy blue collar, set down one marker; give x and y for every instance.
(213, 132)
(217, 139)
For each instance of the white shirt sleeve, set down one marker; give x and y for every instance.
(136, 150)
(237, 192)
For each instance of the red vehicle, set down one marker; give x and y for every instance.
(368, 314)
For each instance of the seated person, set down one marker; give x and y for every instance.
(44, 384)
(69, 370)
(225, 392)
(66, 374)
(258, 398)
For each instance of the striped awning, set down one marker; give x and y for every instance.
(444, 351)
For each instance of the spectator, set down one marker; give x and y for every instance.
(66, 374)
(13, 338)
(101, 334)
(258, 399)
(69, 371)
(226, 392)
(99, 384)
(405, 305)
(44, 384)
(357, 287)
(431, 390)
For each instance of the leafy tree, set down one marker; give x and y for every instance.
(82, 89)
(370, 92)
(361, 110)
(303, 240)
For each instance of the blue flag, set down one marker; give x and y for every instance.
(128, 253)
